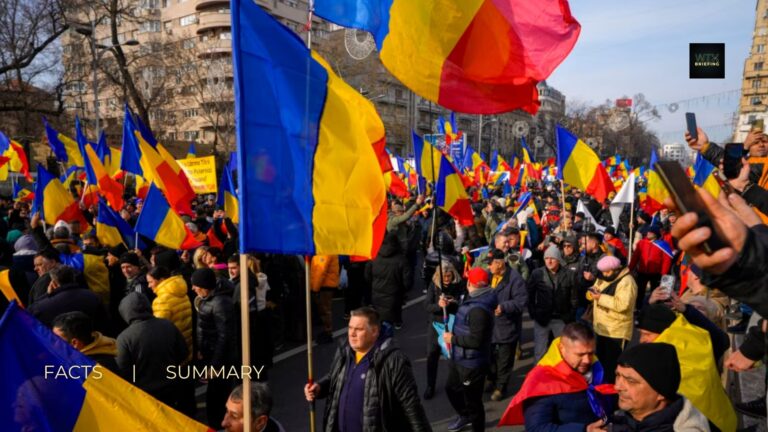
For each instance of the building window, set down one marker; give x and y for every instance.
(152, 26)
(191, 135)
(756, 83)
(755, 100)
(187, 20)
(189, 113)
(225, 35)
(399, 94)
(188, 43)
(751, 119)
(224, 10)
(760, 48)
(758, 66)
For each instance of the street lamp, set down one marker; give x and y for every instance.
(480, 133)
(98, 50)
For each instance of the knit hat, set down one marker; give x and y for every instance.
(608, 263)
(130, 258)
(62, 224)
(656, 318)
(495, 254)
(553, 252)
(477, 277)
(204, 278)
(25, 242)
(571, 239)
(657, 363)
(167, 259)
(117, 251)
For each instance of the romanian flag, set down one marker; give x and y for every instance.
(50, 386)
(657, 192)
(160, 223)
(108, 156)
(472, 56)
(191, 153)
(552, 376)
(309, 174)
(475, 164)
(93, 269)
(141, 158)
(64, 148)
(54, 202)
(579, 166)
(112, 230)
(395, 185)
(228, 197)
(451, 195)
(704, 176)
(498, 163)
(700, 381)
(20, 193)
(96, 174)
(15, 153)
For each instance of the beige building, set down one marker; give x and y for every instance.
(182, 66)
(754, 87)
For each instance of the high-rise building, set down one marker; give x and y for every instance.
(754, 86)
(678, 152)
(181, 66)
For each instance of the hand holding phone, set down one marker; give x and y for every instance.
(688, 200)
(667, 285)
(732, 164)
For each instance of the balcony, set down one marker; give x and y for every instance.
(213, 20)
(208, 4)
(214, 48)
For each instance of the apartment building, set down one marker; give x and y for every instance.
(754, 87)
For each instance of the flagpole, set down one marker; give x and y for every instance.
(307, 262)
(245, 331)
(631, 228)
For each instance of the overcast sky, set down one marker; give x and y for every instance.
(642, 47)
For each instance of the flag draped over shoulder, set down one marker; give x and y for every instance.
(450, 193)
(579, 166)
(87, 399)
(440, 49)
(308, 172)
(552, 376)
(700, 382)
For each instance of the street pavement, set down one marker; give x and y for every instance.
(288, 376)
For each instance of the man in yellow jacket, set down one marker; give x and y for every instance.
(324, 281)
(613, 297)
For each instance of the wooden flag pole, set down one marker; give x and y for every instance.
(631, 228)
(245, 331)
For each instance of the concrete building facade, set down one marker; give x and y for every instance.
(754, 88)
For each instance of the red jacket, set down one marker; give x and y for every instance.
(649, 259)
(618, 245)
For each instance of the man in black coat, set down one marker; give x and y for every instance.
(371, 384)
(215, 336)
(552, 301)
(44, 261)
(65, 294)
(147, 348)
(512, 298)
(390, 278)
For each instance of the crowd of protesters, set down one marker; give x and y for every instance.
(598, 308)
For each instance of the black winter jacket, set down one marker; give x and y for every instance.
(216, 325)
(390, 277)
(71, 298)
(512, 297)
(552, 296)
(435, 312)
(391, 401)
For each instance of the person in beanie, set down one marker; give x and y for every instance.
(135, 275)
(470, 343)
(648, 397)
(613, 300)
(552, 302)
(215, 336)
(615, 243)
(512, 297)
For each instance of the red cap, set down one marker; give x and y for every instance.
(478, 277)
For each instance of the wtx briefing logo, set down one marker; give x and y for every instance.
(707, 60)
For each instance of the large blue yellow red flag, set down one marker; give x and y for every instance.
(656, 192)
(579, 166)
(96, 174)
(17, 157)
(131, 154)
(553, 376)
(298, 124)
(158, 222)
(112, 230)
(704, 176)
(449, 188)
(50, 386)
(228, 196)
(54, 202)
(439, 49)
(20, 193)
(64, 148)
(108, 156)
